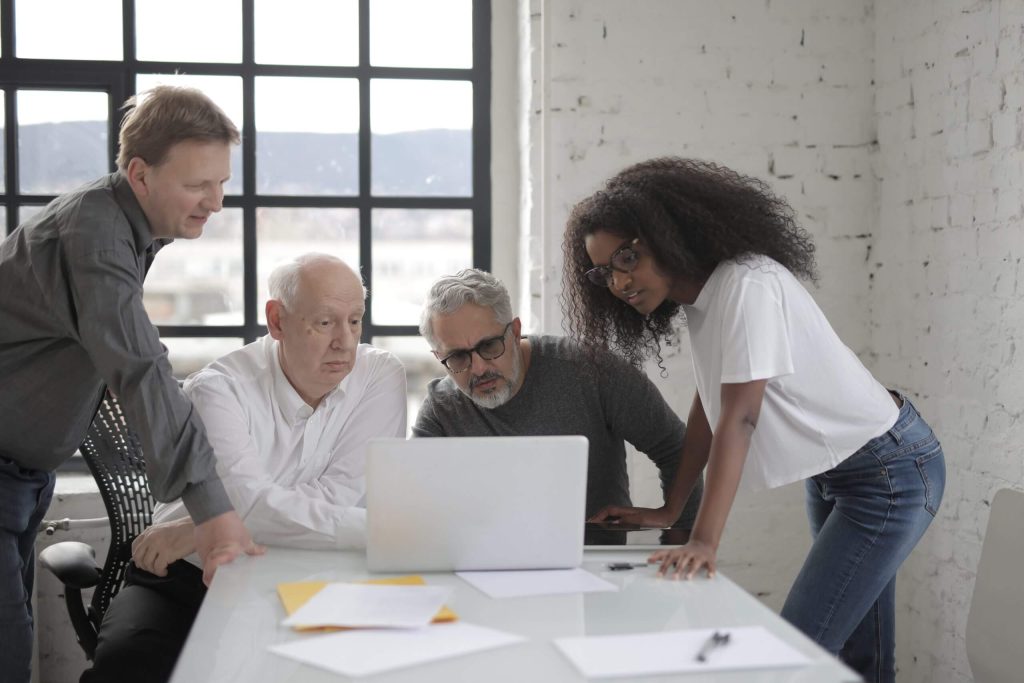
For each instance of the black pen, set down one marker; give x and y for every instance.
(715, 640)
(620, 566)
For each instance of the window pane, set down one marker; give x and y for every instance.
(421, 34)
(329, 31)
(226, 91)
(189, 354)
(306, 136)
(199, 282)
(62, 139)
(54, 29)
(420, 368)
(188, 30)
(425, 148)
(283, 234)
(411, 249)
(26, 211)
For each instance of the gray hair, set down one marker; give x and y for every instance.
(470, 286)
(283, 282)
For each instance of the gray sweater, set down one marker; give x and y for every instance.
(564, 392)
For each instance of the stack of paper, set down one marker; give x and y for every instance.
(364, 606)
(295, 595)
(400, 612)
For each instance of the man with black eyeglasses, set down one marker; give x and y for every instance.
(500, 383)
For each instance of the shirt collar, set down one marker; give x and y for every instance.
(129, 203)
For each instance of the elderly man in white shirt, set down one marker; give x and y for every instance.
(288, 416)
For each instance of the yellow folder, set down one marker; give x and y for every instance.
(295, 595)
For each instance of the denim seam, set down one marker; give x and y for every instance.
(928, 488)
(905, 449)
(857, 562)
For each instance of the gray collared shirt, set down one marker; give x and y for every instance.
(72, 322)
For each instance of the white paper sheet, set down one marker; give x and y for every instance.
(515, 584)
(366, 605)
(749, 647)
(359, 653)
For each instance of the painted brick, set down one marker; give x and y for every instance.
(934, 306)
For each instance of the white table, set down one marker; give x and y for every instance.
(241, 616)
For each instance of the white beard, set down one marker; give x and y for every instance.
(501, 395)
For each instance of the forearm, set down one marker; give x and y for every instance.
(126, 351)
(311, 524)
(296, 516)
(683, 483)
(725, 468)
(692, 460)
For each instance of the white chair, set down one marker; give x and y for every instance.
(995, 624)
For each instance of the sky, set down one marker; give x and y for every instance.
(417, 33)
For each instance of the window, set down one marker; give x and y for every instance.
(366, 134)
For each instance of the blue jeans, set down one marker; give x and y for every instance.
(866, 515)
(24, 497)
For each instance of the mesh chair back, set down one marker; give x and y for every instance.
(115, 458)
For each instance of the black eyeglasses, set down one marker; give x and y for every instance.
(488, 349)
(623, 260)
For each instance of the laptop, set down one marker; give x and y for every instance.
(473, 503)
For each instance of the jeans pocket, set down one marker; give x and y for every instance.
(931, 465)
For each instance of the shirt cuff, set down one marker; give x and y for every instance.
(351, 534)
(206, 500)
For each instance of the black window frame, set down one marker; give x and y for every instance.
(117, 78)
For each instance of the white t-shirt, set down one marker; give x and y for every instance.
(295, 475)
(753, 320)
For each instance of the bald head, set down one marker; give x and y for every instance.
(316, 312)
(314, 270)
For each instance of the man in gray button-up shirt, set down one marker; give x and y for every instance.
(72, 324)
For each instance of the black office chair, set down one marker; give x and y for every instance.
(115, 458)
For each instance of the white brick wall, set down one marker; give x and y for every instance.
(946, 299)
(893, 127)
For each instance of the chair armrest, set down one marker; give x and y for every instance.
(73, 563)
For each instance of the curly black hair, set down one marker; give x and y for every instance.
(691, 215)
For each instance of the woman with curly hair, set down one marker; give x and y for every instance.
(779, 397)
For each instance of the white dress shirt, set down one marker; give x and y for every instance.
(295, 474)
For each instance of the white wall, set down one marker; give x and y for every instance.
(505, 146)
(947, 301)
(893, 127)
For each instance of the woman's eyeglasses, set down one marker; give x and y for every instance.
(488, 349)
(623, 260)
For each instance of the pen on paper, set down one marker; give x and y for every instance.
(715, 640)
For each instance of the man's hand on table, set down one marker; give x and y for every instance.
(220, 540)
